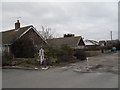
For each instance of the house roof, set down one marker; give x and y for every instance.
(8, 37)
(109, 41)
(91, 42)
(57, 42)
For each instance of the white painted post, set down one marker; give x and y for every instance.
(87, 62)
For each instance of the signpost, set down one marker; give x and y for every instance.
(42, 59)
(41, 54)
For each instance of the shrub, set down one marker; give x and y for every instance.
(6, 63)
(66, 53)
(24, 61)
(80, 54)
(6, 59)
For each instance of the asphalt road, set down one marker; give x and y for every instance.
(57, 78)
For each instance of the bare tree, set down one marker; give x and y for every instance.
(47, 33)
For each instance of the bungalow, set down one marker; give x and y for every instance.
(91, 44)
(75, 42)
(22, 42)
(110, 43)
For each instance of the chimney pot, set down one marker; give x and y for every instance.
(17, 25)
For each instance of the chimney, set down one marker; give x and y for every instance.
(17, 25)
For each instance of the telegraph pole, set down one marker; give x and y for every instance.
(111, 35)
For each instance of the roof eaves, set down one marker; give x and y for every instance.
(79, 40)
(39, 35)
(24, 33)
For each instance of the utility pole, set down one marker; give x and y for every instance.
(111, 35)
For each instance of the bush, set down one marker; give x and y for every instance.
(6, 59)
(64, 54)
(80, 54)
(20, 61)
(67, 53)
(6, 63)
(50, 55)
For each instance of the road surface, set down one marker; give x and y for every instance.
(66, 77)
(57, 78)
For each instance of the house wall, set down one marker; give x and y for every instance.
(27, 45)
(79, 47)
(81, 43)
(35, 38)
(6, 51)
(6, 48)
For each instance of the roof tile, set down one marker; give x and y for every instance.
(10, 36)
(57, 42)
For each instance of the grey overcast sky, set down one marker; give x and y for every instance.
(92, 20)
